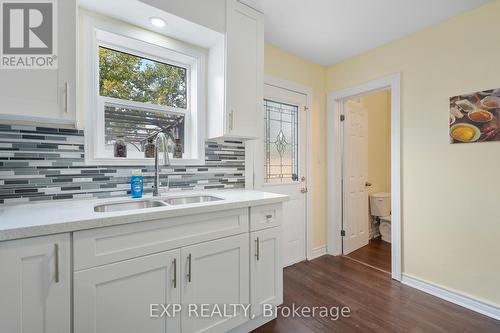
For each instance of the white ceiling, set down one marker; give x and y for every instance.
(328, 31)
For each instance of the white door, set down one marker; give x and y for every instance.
(215, 273)
(35, 285)
(117, 297)
(355, 219)
(266, 274)
(284, 164)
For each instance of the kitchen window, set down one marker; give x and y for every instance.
(138, 87)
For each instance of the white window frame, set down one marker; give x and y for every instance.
(143, 43)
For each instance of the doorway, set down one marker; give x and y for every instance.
(285, 162)
(348, 205)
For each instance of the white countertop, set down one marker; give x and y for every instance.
(30, 220)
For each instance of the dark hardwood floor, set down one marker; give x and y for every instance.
(377, 303)
(377, 254)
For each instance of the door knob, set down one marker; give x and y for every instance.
(303, 190)
(368, 184)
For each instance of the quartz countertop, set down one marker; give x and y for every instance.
(30, 220)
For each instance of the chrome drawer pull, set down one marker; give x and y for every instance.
(189, 268)
(175, 272)
(56, 263)
(257, 248)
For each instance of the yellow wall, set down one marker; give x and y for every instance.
(450, 193)
(378, 105)
(289, 67)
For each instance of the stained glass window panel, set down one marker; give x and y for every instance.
(281, 142)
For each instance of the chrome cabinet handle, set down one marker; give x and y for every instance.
(257, 248)
(66, 97)
(56, 263)
(175, 272)
(189, 276)
(231, 120)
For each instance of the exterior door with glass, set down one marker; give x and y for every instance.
(285, 119)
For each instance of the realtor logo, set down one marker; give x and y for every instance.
(29, 34)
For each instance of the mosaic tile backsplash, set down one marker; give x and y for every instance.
(41, 163)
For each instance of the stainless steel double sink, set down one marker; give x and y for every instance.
(152, 203)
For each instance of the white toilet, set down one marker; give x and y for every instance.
(380, 207)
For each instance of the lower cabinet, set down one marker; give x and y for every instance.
(117, 297)
(35, 277)
(216, 272)
(266, 272)
(210, 281)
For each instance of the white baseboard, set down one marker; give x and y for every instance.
(317, 252)
(489, 310)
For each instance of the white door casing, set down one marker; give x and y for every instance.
(355, 221)
(294, 211)
(334, 148)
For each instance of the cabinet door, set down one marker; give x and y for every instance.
(46, 94)
(215, 272)
(35, 285)
(117, 297)
(244, 71)
(266, 270)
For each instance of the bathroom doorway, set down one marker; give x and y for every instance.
(363, 166)
(367, 178)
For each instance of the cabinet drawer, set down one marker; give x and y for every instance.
(101, 246)
(265, 216)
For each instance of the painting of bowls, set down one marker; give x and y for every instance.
(475, 117)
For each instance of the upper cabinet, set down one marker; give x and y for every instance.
(235, 110)
(43, 95)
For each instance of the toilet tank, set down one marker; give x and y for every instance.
(380, 204)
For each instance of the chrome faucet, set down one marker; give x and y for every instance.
(160, 138)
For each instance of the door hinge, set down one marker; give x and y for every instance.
(342, 117)
(342, 233)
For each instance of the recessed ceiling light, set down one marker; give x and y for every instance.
(157, 22)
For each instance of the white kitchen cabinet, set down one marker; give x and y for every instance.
(35, 290)
(266, 272)
(117, 297)
(215, 272)
(45, 95)
(239, 112)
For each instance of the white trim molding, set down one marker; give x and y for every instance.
(317, 252)
(334, 152)
(455, 297)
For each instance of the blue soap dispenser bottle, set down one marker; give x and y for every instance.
(136, 184)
